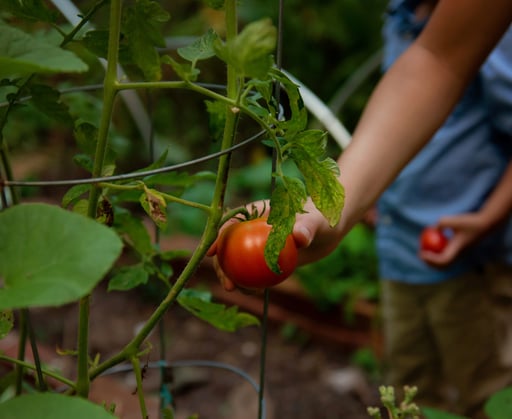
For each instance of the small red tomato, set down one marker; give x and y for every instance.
(240, 253)
(433, 240)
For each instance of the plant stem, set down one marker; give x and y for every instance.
(26, 365)
(140, 392)
(212, 225)
(22, 341)
(109, 93)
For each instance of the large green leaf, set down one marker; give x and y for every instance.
(499, 405)
(50, 256)
(22, 54)
(54, 406)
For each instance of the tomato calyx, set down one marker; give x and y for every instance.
(244, 214)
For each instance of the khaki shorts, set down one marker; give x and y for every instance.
(453, 340)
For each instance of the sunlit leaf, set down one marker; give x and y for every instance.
(288, 199)
(320, 173)
(50, 256)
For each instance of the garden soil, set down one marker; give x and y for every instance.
(304, 378)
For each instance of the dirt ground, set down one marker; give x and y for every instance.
(304, 377)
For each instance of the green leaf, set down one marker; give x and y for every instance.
(142, 29)
(200, 49)
(29, 9)
(185, 71)
(320, 174)
(215, 4)
(74, 194)
(136, 234)
(50, 256)
(86, 136)
(96, 41)
(47, 101)
(499, 405)
(226, 319)
(299, 115)
(128, 277)
(250, 51)
(216, 118)
(6, 322)
(51, 405)
(22, 54)
(288, 199)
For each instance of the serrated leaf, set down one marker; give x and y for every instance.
(216, 118)
(96, 41)
(22, 54)
(226, 319)
(50, 256)
(52, 405)
(155, 206)
(200, 49)
(86, 136)
(320, 173)
(185, 71)
(29, 9)
(135, 233)
(47, 100)
(298, 113)
(288, 199)
(142, 30)
(128, 277)
(250, 53)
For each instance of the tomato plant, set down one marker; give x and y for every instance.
(433, 240)
(241, 256)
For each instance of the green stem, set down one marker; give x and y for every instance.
(212, 225)
(167, 197)
(140, 392)
(35, 352)
(21, 352)
(71, 35)
(109, 93)
(26, 365)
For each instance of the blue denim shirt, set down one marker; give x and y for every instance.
(453, 174)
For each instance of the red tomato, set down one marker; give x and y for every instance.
(240, 252)
(433, 240)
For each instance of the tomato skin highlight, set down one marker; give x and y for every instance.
(240, 253)
(433, 240)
